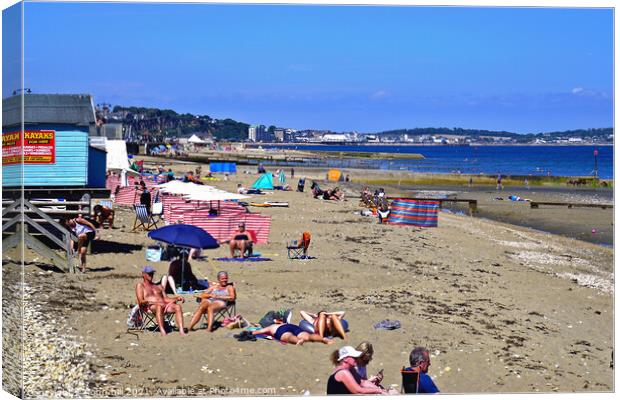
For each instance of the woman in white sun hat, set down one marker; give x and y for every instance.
(345, 379)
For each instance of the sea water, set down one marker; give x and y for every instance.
(548, 160)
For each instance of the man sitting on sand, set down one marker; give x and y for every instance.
(240, 239)
(290, 333)
(326, 323)
(151, 297)
(420, 361)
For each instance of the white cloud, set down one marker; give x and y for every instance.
(379, 94)
(577, 90)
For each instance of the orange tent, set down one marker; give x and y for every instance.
(335, 175)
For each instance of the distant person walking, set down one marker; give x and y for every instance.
(292, 173)
(471, 182)
(499, 182)
(527, 184)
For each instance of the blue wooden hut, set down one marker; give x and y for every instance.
(70, 118)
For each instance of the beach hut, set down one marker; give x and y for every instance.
(54, 142)
(264, 182)
(422, 213)
(335, 175)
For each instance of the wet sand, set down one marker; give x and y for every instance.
(532, 311)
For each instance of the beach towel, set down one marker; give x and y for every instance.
(387, 325)
(270, 204)
(422, 213)
(247, 259)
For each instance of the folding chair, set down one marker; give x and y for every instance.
(411, 381)
(146, 320)
(299, 249)
(157, 211)
(229, 311)
(143, 218)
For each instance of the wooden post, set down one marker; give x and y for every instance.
(473, 207)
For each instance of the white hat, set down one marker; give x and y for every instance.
(348, 351)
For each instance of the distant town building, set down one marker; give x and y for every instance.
(257, 133)
(280, 134)
(252, 133)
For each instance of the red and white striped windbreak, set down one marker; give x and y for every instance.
(223, 226)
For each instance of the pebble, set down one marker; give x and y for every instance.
(55, 364)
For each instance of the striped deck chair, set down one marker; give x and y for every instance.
(143, 218)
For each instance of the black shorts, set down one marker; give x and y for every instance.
(90, 236)
(242, 237)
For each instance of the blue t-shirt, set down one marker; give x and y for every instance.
(426, 384)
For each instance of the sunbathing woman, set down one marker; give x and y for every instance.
(240, 239)
(292, 334)
(214, 299)
(326, 323)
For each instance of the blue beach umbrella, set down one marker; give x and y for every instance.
(182, 235)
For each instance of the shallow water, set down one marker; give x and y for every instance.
(507, 160)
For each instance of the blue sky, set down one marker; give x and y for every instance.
(328, 67)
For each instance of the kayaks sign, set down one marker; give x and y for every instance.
(39, 147)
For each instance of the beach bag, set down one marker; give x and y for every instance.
(267, 320)
(154, 253)
(135, 317)
(234, 322)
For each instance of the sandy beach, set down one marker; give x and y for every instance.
(502, 308)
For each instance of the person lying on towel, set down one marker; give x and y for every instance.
(240, 239)
(290, 333)
(326, 323)
(243, 190)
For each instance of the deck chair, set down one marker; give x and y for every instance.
(145, 320)
(229, 311)
(143, 218)
(411, 381)
(298, 249)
